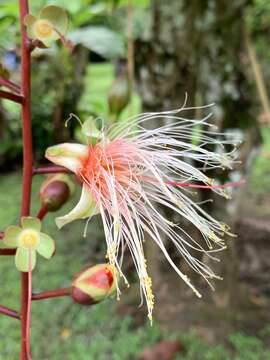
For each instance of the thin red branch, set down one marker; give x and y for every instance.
(7, 251)
(10, 96)
(27, 164)
(9, 312)
(42, 212)
(10, 85)
(51, 294)
(50, 170)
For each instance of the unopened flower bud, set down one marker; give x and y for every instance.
(94, 284)
(119, 95)
(55, 191)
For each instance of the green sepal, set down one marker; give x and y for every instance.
(29, 222)
(11, 236)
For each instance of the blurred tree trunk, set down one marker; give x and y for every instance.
(196, 47)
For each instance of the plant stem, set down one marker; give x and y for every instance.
(27, 164)
(9, 312)
(51, 294)
(42, 212)
(50, 170)
(10, 85)
(10, 96)
(7, 251)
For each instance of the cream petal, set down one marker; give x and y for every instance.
(68, 155)
(85, 208)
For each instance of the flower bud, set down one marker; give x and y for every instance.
(94, 284)
(55, 191)
(119, 95)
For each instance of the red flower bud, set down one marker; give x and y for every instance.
(94, 284)
(55, 191)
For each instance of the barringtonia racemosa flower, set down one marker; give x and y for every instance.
(131, 170)
(28, 240)
(50, 25)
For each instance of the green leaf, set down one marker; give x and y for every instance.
(31, 223)
(11, 236)
(22, 259)
(57, 16)
(46, 246)
(101, 40)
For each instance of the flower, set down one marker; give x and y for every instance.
(130, 170)
(94, 284)
(28, 240)
(50, 25)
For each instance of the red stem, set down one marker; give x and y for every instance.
(27, 164)
(42, 212)
(10, 85)
(51, 294)
(9, 312)
(8, 251)
(10, 96)
(2, 234)
(50, 170)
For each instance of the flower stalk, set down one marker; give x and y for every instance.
(7, 251)
(51, 294)
(50, 170)
(27, 166)
(9, 312)
(42, 212)
(10, 85)
(10, 96)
